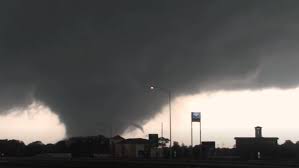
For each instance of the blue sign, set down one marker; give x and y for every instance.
(195, 116)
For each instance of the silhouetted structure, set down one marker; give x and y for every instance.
(257, 147)
(153, 140)
(113, 141)
(133, 148)
(208, 149)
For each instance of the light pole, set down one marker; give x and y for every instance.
(169, 104)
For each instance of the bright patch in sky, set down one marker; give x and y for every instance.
(229, 114)
(225, 115)
(34, 123)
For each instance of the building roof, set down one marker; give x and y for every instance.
(117, 137)
(253, 138)
(135, 141)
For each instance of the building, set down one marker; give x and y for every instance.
(113, 141)
(116, 139)
(132, 148)
(257, 147)
(208, 149)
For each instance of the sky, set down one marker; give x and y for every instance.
(223, 118)
(91, 63)
(34, 123)
(228, 114)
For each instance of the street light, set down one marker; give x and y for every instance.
(169, 103)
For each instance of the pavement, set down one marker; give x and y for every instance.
(97, 163)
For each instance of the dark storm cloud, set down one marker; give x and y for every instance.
(92, 61)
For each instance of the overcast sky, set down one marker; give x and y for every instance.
(91, 63)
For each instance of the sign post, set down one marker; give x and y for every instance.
(191, 134)
(196, 117)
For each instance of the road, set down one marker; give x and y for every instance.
(96, 163)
